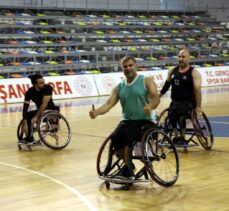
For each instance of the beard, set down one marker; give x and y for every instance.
(130, 75)
(182, 64)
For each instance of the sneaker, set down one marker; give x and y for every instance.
(27, 140)
(124, 173)
(30, 139)
(22, 141)
(175, 140)
(181, 142)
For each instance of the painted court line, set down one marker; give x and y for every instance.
(74, 191)
(215, 122)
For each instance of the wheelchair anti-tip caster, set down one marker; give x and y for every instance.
(107, 184)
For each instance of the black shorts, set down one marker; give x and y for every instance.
(128, 132)
(178, 110)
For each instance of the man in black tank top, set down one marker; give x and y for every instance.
(41, 94)
(185, 94)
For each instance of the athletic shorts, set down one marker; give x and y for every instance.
(128, 132)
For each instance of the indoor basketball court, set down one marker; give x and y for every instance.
(45, 179)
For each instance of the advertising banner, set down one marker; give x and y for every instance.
(88, 85)
(13, 90)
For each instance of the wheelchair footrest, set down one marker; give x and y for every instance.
(34, 143)
(123, 180)
(186, 145)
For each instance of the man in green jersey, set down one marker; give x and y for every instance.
(138, 96)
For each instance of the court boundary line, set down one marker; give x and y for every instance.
(216, 122)
(219, 116)
(84, 134)
(218, 150)
(82, 197)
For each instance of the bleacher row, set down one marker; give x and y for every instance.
(69, 42)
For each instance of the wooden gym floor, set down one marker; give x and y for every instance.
(66, 180)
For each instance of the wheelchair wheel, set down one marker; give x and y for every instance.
(203, 130)
(21, 135)
(164, 123)
(54, 130)
(108, 164)
(160, 157)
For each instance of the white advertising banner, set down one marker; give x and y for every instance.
(214, 76)
(13, 90)
(158, 77)
(106, 82)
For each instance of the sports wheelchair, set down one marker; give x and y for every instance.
(154, 157)
(52, 130)
(198, 129)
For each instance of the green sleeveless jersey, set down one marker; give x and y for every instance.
(132, 98)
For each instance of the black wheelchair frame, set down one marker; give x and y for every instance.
(198, 131)
(52, 130)
(158, 158)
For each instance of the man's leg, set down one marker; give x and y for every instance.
(173, 118)
(133, 134)
(117, 138)
(184, 113)
(182, 126)
(118, 142)
(29, 137)
(126, 133)
(126, 155)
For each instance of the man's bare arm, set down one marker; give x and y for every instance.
(197, 81)
(153, 93)
(111, 102)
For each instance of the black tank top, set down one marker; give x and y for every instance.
(182, 85)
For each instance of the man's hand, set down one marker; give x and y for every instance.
(147, 109)
(34, 120)
(92, 113)
(198, 111)
(25, 128)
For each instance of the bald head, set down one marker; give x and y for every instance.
(184, 51)
(184, 58)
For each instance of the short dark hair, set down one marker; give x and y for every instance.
(34, 78)
(127, 58)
